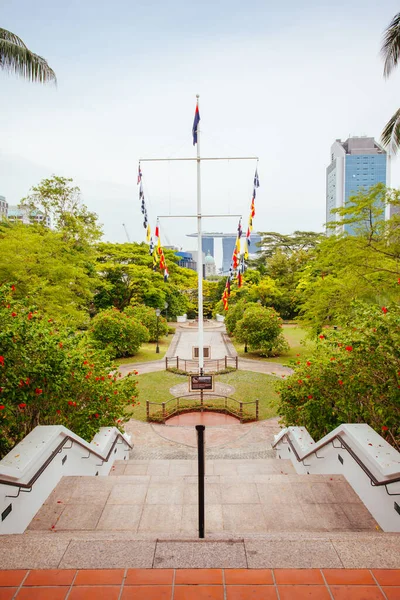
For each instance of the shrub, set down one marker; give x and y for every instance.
(147, 317)
(261, 329)
(118, 333)
(50, 376)
(352, 376)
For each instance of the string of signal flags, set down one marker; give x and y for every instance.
(239, 256)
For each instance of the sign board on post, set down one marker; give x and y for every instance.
(201, 383)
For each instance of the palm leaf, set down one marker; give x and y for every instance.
(11, 37)
(16, 58)
(391, 134)
(391, 45)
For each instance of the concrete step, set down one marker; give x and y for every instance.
(242, 498)
(185, 453)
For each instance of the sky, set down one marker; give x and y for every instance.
(277, 80)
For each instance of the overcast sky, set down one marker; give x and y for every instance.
(280, 80)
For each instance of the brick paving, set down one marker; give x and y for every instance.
(200, 584)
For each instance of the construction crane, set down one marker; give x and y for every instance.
(126, 233)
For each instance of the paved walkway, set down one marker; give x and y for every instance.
(200, 584)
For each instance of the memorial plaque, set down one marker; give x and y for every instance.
(201, 382)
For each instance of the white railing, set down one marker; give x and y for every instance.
(30, 472)
(370, 465)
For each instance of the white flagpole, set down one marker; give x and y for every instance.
(199, 255)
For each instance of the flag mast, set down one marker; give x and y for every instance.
(199, 251)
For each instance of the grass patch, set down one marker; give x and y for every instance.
(147, 352)
(294, 335)
(248, 386)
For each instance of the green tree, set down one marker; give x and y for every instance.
(118, 333)
(61, 203)
(16, 58)
(58, 276)
(51, 376)
(260, 328)
(352, 376)
(156, 326)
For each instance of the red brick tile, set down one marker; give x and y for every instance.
(250, 592)
(198, 592)
(392, 593)
(43, 593)
(356, 592)
(303, 592)
(147, 592)
(95, 592)
(298, 576)
(49, 577)
(198, 576)
(387, 576)
(248, 576)
(7, 593)
(149, 577)
(99, 577)
(348, 577)
(11, 578)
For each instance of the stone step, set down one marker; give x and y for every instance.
(182, 453)
(213, 467)
(160, 498)
(107, 550)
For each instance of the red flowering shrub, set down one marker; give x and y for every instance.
(49, 376)
(353, 376)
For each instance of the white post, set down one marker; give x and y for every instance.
(199, 256)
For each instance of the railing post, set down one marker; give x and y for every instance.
(236, 362)
(177, 362)
(166, 363)
(201, 471)
(147, 410)
(241, 410)
(226, 362)
(163, 411)
(256, 410)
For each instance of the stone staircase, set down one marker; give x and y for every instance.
(244, 497)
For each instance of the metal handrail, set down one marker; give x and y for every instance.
(205, 395)
(345, 446)
(52, 456)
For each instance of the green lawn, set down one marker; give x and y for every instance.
(248, 386)
(294, 335)
(147, 352)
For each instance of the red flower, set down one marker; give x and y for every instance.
(2, 361)
(97, 415)
(85, 362)
(2, 407)
(384, 310)
(38, 391)
(14, 314)
(310, 397)
(22, 405)
(384, 428)
(21, 383)
(349, 348)
(308, 363)
(30, 315)
(340, 382)
(300, 382)
(321, 337)
(71, 403)
(102, 378)
(27, 381)
(60, 344)
(58, 412)
(333, 358)
(13, 288)
(115, 391)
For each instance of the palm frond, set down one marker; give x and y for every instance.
(21, 61)
(391, 45)
(11, 37)
(391, 134)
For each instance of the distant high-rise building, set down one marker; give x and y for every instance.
(207, 245)
(356, 164)
(3, 208)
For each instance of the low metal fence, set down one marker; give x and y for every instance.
(161, 411)
(189, 366)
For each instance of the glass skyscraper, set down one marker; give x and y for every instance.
(356, 164)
